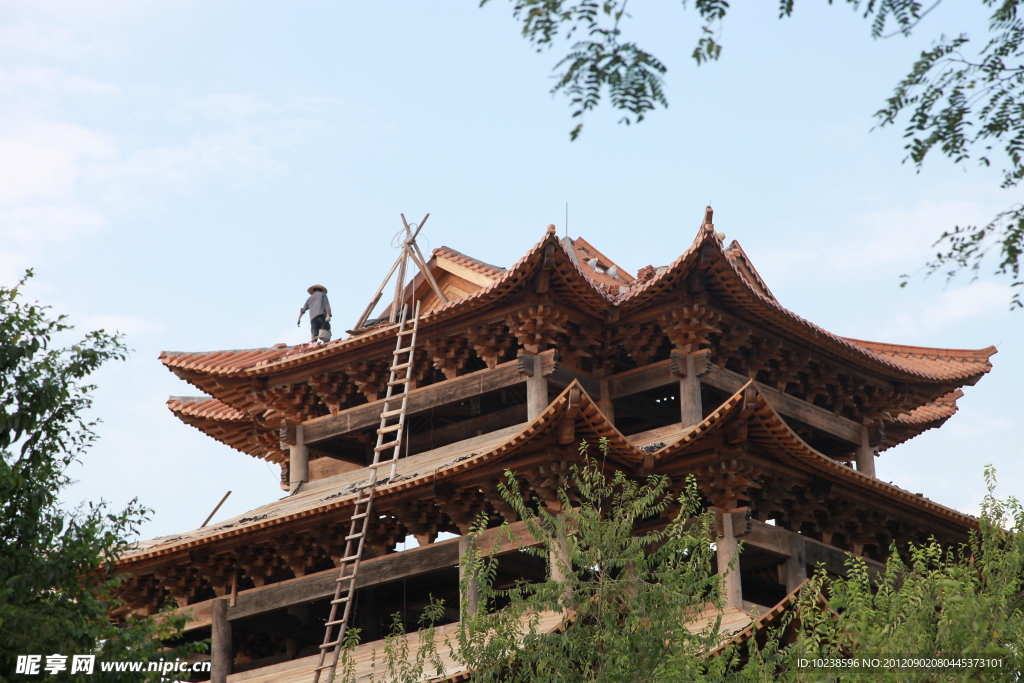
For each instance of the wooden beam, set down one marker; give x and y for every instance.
(786, 543)
(425, 398)
(790, 406)
(466, 429)
(660, 374)
(374, 572)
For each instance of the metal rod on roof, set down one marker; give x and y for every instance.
(215, 510)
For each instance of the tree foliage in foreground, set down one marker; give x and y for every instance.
(962, 98)
(629, 595)
(55, 565)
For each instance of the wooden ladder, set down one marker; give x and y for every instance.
(386, 452)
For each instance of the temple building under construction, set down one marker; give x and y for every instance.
(688, 369)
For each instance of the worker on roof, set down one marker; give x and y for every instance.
(319, 313)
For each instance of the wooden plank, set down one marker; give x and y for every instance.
(425, 398)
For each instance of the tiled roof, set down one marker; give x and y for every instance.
(223, 362)
(939, 409)
(232, 427)
(206, 407)
(731, 286)
(935, 363)
(729, 275)
(769, 431)
(469, 262)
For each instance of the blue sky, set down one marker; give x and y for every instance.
(182, 171)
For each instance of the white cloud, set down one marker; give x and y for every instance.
(980, 301)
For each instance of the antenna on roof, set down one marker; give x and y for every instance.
(409, 251)
(567, 219)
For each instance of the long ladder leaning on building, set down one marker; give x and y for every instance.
(389, 442)
(385, 453)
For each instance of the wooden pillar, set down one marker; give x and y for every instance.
(794, 570)
(607, 407)
(220, 648)
(685, 367)
(471, 593)
(866, 453)
(536, 384)
(728, 552)
(560, 561)
(298, 462)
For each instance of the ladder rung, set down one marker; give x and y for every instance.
(391, 413)
(385, 446)
(404, 349)
(359, 535)
(325, 666)
(335, 623)
(406, 331)
(395, 382)
(382, 463)
(339, 601)
(359, 516)
(401, 366)
(349, 558)
(327, 646)
(390, 428)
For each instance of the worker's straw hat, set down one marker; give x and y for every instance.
(316, 287)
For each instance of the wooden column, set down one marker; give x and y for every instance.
(728, 552)
(536, 384)
(685, 367)
(298, 462)
(559, 560)
(866, 453)
(607, 407)
(220, 648)
(794, 570)
(471, 593)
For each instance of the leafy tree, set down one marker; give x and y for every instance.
(625, 594)
(627, 591)
(55, 566)
(946, 603)
(962, 99)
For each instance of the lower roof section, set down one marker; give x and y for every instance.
(746, 416)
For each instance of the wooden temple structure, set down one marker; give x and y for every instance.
(690, 368)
